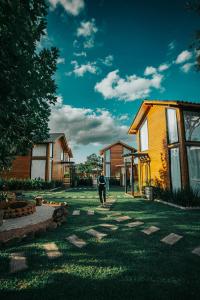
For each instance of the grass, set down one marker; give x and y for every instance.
(126, 264)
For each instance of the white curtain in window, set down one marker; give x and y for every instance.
(107, 170)
(175, 169)
(107, 155)
(144, 136)
(194, 167)
(172, 126)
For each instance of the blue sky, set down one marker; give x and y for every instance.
(114, 54)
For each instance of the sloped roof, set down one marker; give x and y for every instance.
(118, 142)
(146, 105)
(53, 137)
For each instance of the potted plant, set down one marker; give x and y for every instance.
(67, 179)
(149, 190)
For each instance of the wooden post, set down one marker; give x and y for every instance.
(182, 150)
(125, 175)
(132, 176)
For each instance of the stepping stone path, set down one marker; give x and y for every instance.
(96, 234)
(109, 226)
(150, 230)
(76, 213)
(123, 218)
(52, 250)
(196, 251)
(171, 239)
(18, 262)
(134, 224)
(90, 212)
(74, 239)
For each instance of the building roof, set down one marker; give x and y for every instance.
(53, 137)
(118, 142)
(147, 104)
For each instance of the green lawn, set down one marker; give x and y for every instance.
(127, 264)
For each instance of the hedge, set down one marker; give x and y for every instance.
(28, 184)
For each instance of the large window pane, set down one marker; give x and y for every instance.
(144, 137)
(107, 170)
(107, 155)
(192, 125)
(175, 169)
(194, 167)
(172, 126)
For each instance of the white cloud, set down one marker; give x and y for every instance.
(186, 67)
(78, 54)
(183, 57)
(87, 28)
(60, 60)
(171, 45)
(108, 60)
(80, 70)
(149, 70)
(129, 88)
(123, 117)
(163, 67)
(87, 31)
(73, 7)
(84, 126)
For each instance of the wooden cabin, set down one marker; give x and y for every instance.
(48, 160)
(168, 138)
(113, 161)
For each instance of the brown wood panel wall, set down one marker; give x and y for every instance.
(116, 159)
(20, 169)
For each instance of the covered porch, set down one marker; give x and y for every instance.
(141, 161)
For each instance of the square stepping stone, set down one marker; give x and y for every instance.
(134, 224)
(52, 250)
(150, 230)
(17, 262)
(96, 234)
(76, 213)
(82, 197)
(90, 212)
(103, 208)
(123, 218)
(76, 241)
(109, 226)
(171, 239)
(196, 251)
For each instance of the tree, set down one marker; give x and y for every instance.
(93, 163)
(195, 6)
(27, 89)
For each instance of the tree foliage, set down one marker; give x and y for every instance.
(27, 88)
(194, 5)
(92, 164)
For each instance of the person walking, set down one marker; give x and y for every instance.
(102, 189)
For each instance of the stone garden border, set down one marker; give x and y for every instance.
(177, 206)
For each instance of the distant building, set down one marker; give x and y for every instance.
(113, 161)
(168, 136)
(48, 160)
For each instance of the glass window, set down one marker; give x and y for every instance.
(51, 150)
(107, 170)
(192, 125)
(144, 137)
(175, 169)
(107, 155)
(194, 167)
(172, 126)
(62, 155)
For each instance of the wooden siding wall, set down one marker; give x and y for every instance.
(158, 151)
(57, 167)
(116, 159)
(20, 169)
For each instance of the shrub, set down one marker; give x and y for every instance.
(28, 184)
(85, 181)
(184, 197)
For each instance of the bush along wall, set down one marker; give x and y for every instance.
(28, 184)
(186, 197)
(84, 181)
